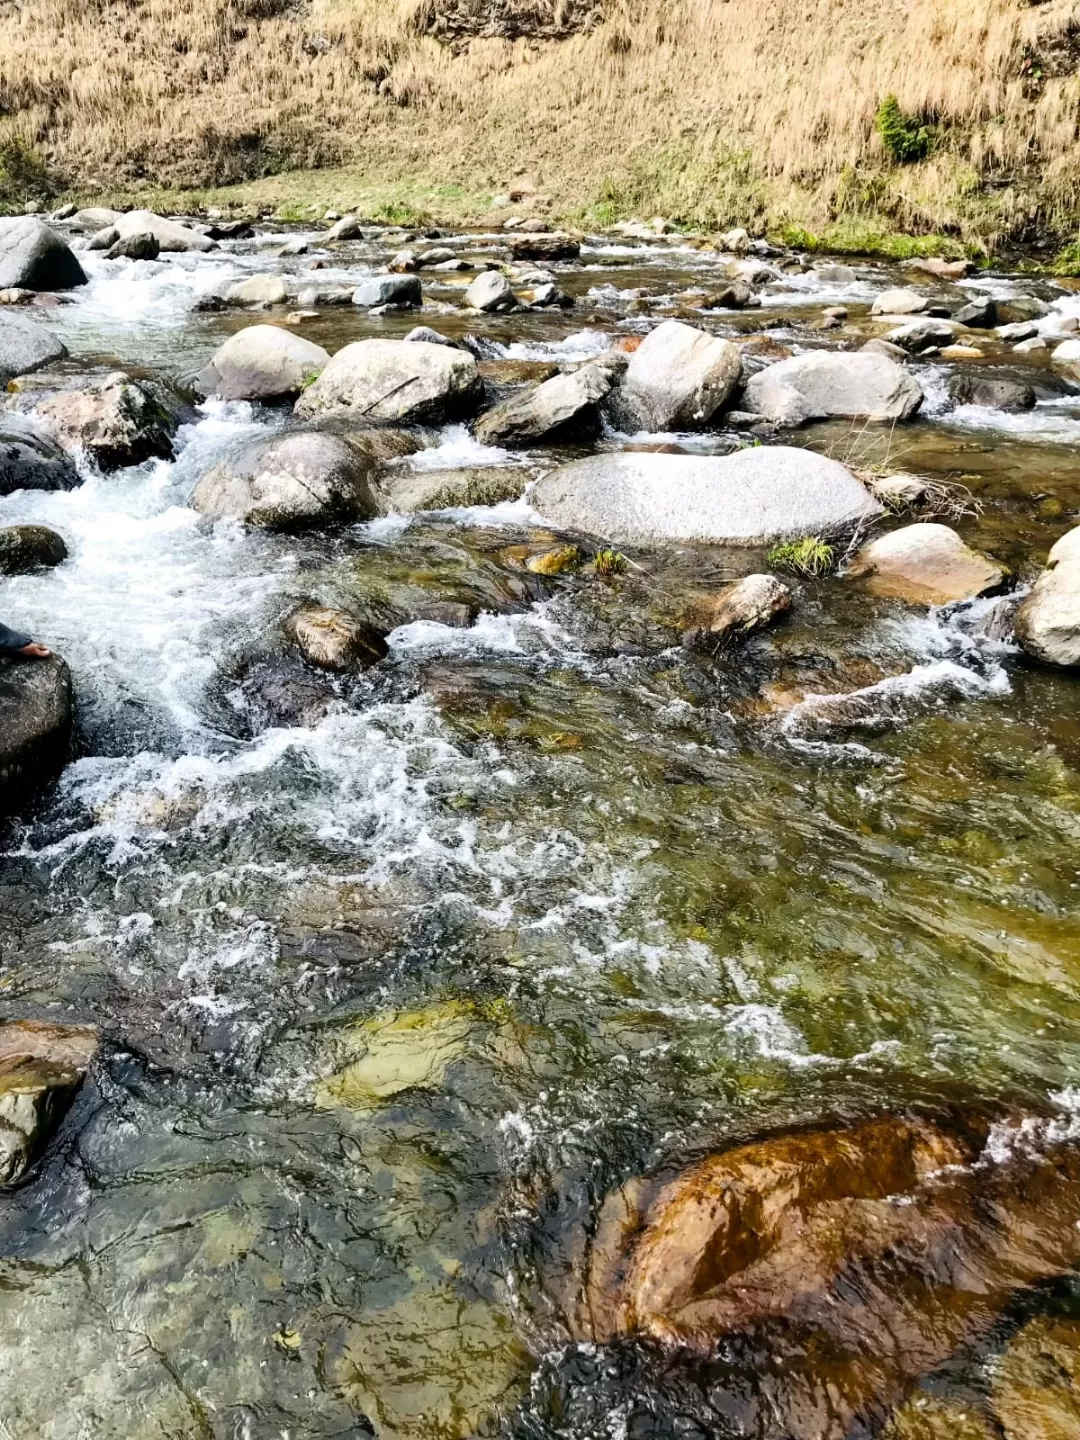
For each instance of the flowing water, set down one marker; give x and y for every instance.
(539, 905)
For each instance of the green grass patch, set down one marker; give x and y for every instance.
(809, 557)
(905, 137)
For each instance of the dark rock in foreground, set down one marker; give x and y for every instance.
(25, 346)
(30, 461)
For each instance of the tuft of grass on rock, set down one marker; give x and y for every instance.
(609, 563)
(810, 557)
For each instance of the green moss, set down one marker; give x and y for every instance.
(810, 557)
(1067, 261)
(905, 138)
(610, 562)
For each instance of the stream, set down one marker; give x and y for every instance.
(392, 999)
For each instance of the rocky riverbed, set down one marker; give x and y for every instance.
(541, 896)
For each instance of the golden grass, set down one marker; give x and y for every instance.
(717, 111)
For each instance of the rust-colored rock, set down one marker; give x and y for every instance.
(831, 1268)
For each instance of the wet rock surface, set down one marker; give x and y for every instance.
(387, 380)
(290, 483)
(35, 725)
(30, 460)
(25, 346)
(117, 420)
(1048, 620)
(24, 548)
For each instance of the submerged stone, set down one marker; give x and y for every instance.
(397, 1052)
(333, 639)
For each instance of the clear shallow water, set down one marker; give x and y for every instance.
(617, 913)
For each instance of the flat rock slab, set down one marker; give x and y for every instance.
(823, 384)
(754, 497)
(926, 564)
(35, 725)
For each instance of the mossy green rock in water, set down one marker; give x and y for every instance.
(435, 1366)
(397, 1052)
(29, 547)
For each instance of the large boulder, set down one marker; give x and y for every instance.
(403, 292)
(25, 346)
(753, 497)
(490, 291)
(563, 408)
(292, 482)
(169, 234)
(32, 461)
(824, 384)
(997, 393)
(33, 257)
(24, 548)
(927, 564)
(41, 1069)
(386, 380)
(96, 217)
(35, 725)
(1047, 623)
(263, 362)
(677, 379)
(117, 420)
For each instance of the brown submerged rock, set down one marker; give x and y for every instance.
(333, 639)
(827, 1270)
(41, 1068)
(1036, 1385)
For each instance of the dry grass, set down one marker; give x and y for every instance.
(715, 111)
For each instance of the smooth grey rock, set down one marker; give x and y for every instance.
(565, 407)
(258, 290)
(899, 302)
(1023, 307)
(1047, 623)
(31, 461)
(35, 726)
(490, 291)
(388, 380)
(922, 335)
(823, 384)
(25, 346)
(1018, 330)
(404, 292)
(170, 234)
(104, 239)
(969, 388)
(292, 482)
(24, 548)
(263, 362)
(349, 227)
(754, 497)
(677, 379)
(95, 217)
(33, 257)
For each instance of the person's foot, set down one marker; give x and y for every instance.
(35, 651)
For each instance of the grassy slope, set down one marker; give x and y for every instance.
(712, 111)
